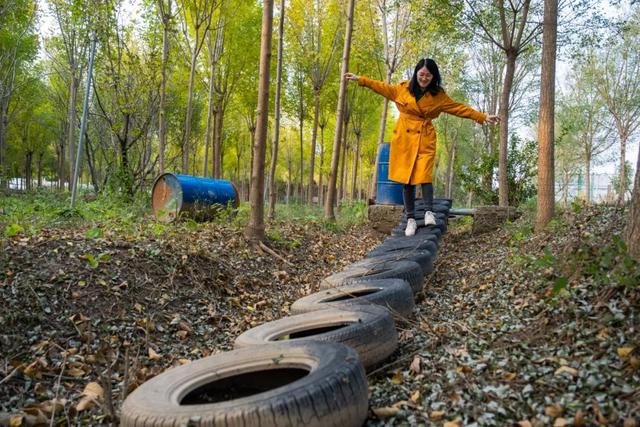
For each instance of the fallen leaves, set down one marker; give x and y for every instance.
(92, 394)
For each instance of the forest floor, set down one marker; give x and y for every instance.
(512, 328)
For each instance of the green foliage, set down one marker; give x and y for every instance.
(607, 265)
(521, 173)
(13, 230)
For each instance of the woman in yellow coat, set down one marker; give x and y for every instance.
(413, 145)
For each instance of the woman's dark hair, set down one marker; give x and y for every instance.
(434, 86)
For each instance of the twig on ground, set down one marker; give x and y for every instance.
(274, 253)
(55, 399)
(8, 377)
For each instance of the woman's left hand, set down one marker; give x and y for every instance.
(492, 120)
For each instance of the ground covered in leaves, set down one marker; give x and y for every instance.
(512, 327)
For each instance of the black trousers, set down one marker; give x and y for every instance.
(408, 196)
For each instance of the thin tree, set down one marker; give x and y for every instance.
(255, 228)
(619, 85)
(165, 13)
(546, 123)
(335, 157)
(632, 229)
(199, 14)
(320, 67)
(395, 19)
(214, 50)
(273, 188)
(515, 33)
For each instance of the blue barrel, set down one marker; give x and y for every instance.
(198, 197)
(387, 192)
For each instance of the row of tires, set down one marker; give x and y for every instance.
(307, 369)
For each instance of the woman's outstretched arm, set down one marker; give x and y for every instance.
(385, 89)
(459, 109)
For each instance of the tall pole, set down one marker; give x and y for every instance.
(335, 157)
(83, 122)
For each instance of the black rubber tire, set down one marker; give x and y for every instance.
(406, 270)
(333, 392)
(418, 242)
(395, 295)
(423, 257)
(369, 329)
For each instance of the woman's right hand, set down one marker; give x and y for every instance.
(351, 76)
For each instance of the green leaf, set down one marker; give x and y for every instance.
(13, 230)
(91, 260)
(559, 285)
(94, 233)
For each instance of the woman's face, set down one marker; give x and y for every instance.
(424, 77)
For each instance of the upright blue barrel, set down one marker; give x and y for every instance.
(387, 192)
(173, 194)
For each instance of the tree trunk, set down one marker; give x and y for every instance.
(301, 166)
(162, 125)
(208, 136)
(343, 166)
(290, 168)
(503, 191)
(187, 120)
(587, 180)
(320, 177)
(632, 229)
(40, 168)
(546, 191)
(217, 141)
(383, 125)
(28, 169)
(335, 157)
(450, 163)
(623, 168)
(255, 228)
(71, 120)
(4, 120)
(312, 155)
(273, 187)
(355, 168)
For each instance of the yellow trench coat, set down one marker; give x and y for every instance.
(413, 145)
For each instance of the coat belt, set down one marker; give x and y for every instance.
(413, 118)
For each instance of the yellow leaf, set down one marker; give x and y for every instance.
(568, 369)
(554, 410)
(624, 352)
(415, 396)
(153, 355)
(385, 412)
(454, 423)
(76, 372)
(560, 422)
(509, 376)
(524, 423)
(397, 378)
(436, 415)
(85, 403)
(16, 421)
(138, 307)
(633, 361)
(603, 334)
(415, 365)
(82, 283)
(182, 334)
(464, 369)
(93, 389)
